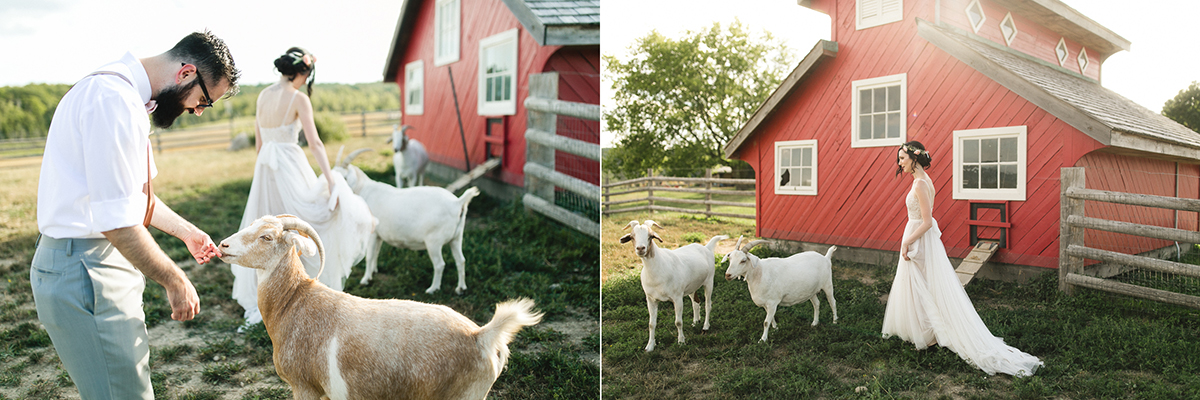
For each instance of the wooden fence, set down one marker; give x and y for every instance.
(1072, 250)
(651, 184)
(543, 109)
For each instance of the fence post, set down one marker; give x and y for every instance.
(650, 190)
(1072, 177)
(543, 85)
(364, 123)
(607, 198)
(708, 192)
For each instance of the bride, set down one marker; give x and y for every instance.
(927, 305)
(284, 183)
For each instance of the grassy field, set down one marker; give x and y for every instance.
(1094, 345)
(509, 253)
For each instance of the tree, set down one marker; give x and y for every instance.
(1185, 107)
(678, 102)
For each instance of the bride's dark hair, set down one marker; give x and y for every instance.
(916, 151)
(298, 61)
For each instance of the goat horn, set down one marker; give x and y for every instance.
(650, 223)
(355, 153)
(738, 245)
(338, 161)
(291, 222)
(756, 243)
(631, 224)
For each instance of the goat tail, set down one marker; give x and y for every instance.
(494, 337)
(712, 243)
(829, 253)
(463, 202)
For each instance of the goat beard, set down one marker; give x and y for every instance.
(170, 104)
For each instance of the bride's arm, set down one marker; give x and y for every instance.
(314, 140)
(926, 213)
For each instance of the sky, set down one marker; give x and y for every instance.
(60, 41)
(1161, 61)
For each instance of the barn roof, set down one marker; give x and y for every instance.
(550, 22)
(1082, 102)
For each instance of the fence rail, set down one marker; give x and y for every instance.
(651, 184)
(1072, 251)
(541, 178)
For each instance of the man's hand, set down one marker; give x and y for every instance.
(202, 249)
(185, 304)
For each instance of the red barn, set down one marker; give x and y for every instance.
(1003, 92)
(469, 60)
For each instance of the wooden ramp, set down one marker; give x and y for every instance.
(983, 251)
(476, 172)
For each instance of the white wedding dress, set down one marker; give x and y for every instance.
(284, 183)
(928, 305)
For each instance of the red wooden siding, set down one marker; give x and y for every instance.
(1031, 39)
(578, 81)
(438, 127)
(1137, 175)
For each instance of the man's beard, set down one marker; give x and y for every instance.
(170, 104)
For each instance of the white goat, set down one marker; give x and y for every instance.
(668, 275)
(416, 218)
(775, 282)
(332, 345)
(409, 159)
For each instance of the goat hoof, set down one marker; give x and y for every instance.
(364, 282)
(460, 290)
(431, 290)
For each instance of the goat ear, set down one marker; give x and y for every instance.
(305, 245)
(626, 238)
(655, 236)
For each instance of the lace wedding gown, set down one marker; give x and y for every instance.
(284, 183)
(928, 305)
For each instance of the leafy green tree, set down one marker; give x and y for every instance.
(679, 101)
(1185, 107)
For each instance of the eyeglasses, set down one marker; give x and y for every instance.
(204, 89)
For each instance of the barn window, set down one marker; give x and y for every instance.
(975, 15)
(498, 74)
(989, 164)
(1083, 60)
(796, 167)
(414, 88)
(1062, 52)
(446, 28)
(878, 116)
(878, 12)
(1008, 29)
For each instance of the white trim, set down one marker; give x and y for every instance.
(982, 16)
(1083, 60)
(872, 13)
(414, 83)
(1022, 163)
(498, 107)
(1066, 52)
(1009, 20)
(883, 81)
(810, 190)
(455, 41)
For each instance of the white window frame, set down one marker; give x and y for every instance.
(883, 81)
(872, 13)
(1008, 19)
(412, 84)
(502, 107)
(982, 16)
(1017, 194)
(1083, 60)
(444, 35)
(1066, 52)
(795, 190)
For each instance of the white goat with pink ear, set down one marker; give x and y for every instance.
(775, 282)
(668, 275)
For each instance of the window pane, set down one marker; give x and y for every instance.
(894, 98)
(879, 125)
(785, 158)
(864, 101)
(880, 100)
(864, 127)
(489, 90)
(806, 159)
(893, 125)
(970, 151)
(785, 177)
(507, 94)
(1008, 176)
(806, 177)
(970, 177)
(1008, 149)
(989, 149)
(988, 175)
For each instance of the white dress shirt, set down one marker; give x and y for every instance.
(95, 161)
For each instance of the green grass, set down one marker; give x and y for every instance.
(1094, 345)
(222, 373)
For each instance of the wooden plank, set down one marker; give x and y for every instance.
(1162, 296)
(473, 174)
(565, 108)
(575, 221)
(564, 144)
(1069, 234)
(1130, 228)
(573, 184)
(1148, 263)
(1173, 203)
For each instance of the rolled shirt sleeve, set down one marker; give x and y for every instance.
(114, 139)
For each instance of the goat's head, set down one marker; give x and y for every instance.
(642, 236)
(355, 177)
(740, 260)
(399, 139)
(270, 241)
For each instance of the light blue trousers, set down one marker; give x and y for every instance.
(89, 298)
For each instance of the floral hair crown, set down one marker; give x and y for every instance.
(297, 57)
(914, 150)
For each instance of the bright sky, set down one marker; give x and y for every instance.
(59, 41)
(1161, 62)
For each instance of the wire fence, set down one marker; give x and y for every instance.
(579, 167)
